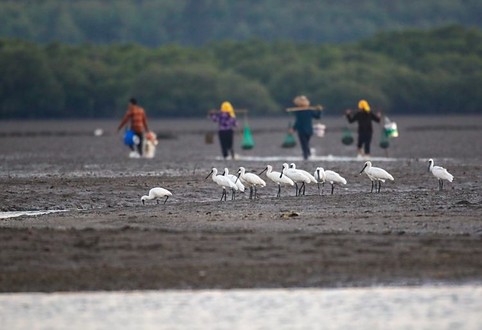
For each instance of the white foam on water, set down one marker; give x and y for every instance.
(434, 307)
(14, 214)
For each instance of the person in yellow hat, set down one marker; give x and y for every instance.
(226, 119)
(364, 117)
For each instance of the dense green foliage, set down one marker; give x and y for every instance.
(195, 22)
(436, 71)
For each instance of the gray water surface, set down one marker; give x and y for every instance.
(434, 307)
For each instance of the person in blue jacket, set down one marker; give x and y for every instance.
(304, 123)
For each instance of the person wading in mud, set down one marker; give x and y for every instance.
(364, 117)
(138, 123)
(226, 119)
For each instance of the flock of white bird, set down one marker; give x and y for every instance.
(292, 176)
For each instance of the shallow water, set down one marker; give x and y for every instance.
(433, 307)
(14, 214)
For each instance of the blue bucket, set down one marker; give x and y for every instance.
(129, 137)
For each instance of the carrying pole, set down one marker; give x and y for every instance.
(314, 107)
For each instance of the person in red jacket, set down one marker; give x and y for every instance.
(138, 123)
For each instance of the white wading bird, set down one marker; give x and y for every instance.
(222, 181)
(277, 178)
(328, 176)
(235, 180)
(376, 174)
(308, 174)
(250, 180)
(156, 193)
(440, 173)
(295, 175)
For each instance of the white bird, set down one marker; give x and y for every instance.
(156, 193)
(235, 180)
(376, 174)
(329, 176)
(277, 178)
(222, 181)
(440, 173)
(250, 180)
(308, 174)
(295, 175)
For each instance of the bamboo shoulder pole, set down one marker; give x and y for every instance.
(235, 111)
(315, 107)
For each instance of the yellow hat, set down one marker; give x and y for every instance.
(363, 104)
(227, 107)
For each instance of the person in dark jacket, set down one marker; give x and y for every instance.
(226, 119)
(364, 117)
(304, 123)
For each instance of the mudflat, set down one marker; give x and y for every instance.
(105, 239)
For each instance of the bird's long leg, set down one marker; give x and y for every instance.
(224, 194)
(250, 192)
(232, 195)
(372, 187)
(322, 187)
(296, 188)
(166, 199)
(332, 188)
(304, 188)
(379, 185)
(319, 190)
(441, 184)
(157, 200)
(279, 191)
(301, 188)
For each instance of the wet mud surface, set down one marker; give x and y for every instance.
(409, 233)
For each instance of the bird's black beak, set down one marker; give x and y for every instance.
(318, 174)
(281, 172)
(263, 171)
(363, 169)
(209, 175)
(143, 202)
(237, 178)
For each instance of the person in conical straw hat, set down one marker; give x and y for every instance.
(304, 123)
(226, 119)
(364, 117)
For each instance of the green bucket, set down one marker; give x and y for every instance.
(289, 141)
(248, 142)
(384, 143)
(347, 137)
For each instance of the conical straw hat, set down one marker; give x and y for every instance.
(301, 101)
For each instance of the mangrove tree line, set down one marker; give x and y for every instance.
(421, 72)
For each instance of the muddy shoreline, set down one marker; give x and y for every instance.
(409, 234)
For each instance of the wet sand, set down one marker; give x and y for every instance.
(408, 234)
